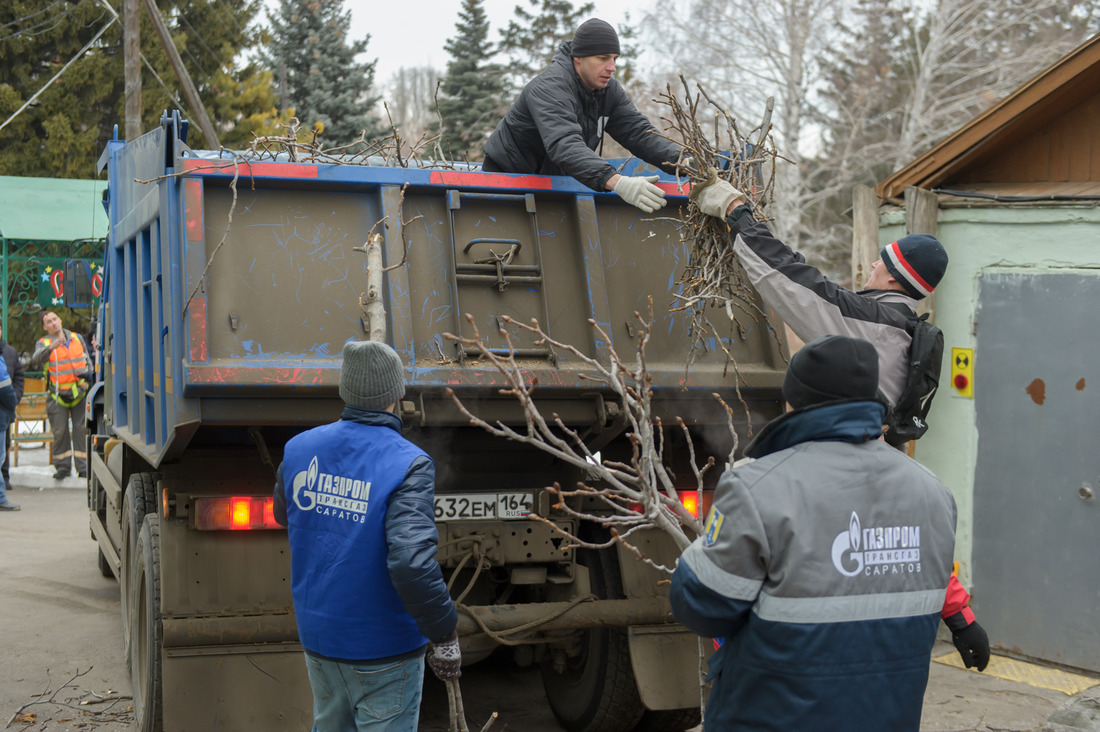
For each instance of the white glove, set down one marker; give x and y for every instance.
(639, 191)
(714, 196)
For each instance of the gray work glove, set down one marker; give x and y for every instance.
(445, 658)
(714, 195)
(639, 191)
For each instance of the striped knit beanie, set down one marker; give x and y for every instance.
(917, 261)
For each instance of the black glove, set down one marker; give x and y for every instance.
(973, 645)
(445, 658)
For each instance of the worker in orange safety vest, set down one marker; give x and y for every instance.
(64, 356)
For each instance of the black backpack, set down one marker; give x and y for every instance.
(922, 379)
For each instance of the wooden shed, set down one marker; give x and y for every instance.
(1015, 430)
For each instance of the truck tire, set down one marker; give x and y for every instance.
(597, 691)
(146, 629)
(669, 720)
(135, 506)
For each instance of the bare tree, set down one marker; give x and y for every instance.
(410, 98)
(766, 49)
(971, 54)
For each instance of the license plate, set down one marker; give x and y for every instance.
(483, 506)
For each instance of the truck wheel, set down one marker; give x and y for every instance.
(597, 691)
(669, 720)
(146, 629)
(105, 566)
(134, 508)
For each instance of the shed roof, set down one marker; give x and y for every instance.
(51, 209)
(1067, 84)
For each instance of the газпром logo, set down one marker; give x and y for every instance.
(885, 549)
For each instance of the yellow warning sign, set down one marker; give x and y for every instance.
(962, 372)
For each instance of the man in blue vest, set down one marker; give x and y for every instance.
(357, 501)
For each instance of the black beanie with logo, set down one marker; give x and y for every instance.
(832, 369)
(595, 37)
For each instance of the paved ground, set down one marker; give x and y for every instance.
(61, 620)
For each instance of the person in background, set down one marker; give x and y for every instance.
(15, 371)
(358, 502)
(823, 562)
(7, 416)
(64, 356)
(812, 306)
(557, 123)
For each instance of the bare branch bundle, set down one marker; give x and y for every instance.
(713, 278)
(630, 496)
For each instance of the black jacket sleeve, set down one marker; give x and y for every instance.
(636, 133)
(279, 495)
(412, 540)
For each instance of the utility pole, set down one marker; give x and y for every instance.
(282, 88)
(190, 93)
(131, 65)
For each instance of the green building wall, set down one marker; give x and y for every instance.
(1039, 238)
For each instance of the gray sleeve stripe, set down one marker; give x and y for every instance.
(848, 607)
(724, 583)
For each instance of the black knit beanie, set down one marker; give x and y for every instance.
(371, 375)
(917, 261)
(832, 369)
(595, 37)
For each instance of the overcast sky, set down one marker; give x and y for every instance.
(412, 32)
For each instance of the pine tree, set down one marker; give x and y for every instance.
(67, 127)
(325, 85)
(472, 94)
(531, 40)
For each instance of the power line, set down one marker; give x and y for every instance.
(31, 15)
(79, 53)
(171, 94)
(56, 20)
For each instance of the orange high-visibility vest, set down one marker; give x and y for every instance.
(68, 362)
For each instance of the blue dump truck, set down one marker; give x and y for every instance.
(230, 287)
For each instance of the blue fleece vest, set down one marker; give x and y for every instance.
(338, 480)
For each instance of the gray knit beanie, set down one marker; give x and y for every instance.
(372, 375)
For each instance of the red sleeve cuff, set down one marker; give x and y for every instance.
(956, 600)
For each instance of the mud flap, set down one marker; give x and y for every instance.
(236, 688)
(665, 660)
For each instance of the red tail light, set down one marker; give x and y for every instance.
(691, 503)
(235, 513)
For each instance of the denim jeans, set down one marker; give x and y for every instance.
(350, 697)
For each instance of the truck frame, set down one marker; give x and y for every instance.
(230, 286)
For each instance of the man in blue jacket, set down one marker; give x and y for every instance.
(823, 563)
(357, 501)
(8, 400)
